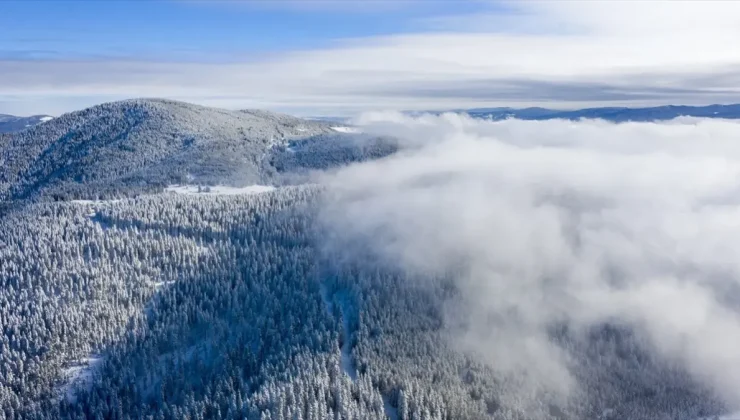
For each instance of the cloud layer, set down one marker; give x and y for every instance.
(523, 53)
(562, 222)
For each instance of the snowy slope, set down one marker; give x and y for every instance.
(140, 146)
(11, 123)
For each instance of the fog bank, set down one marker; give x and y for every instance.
(561, 222)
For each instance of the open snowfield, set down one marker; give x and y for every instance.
(79, 376)
(95, 202)
(94, 205)
(218, 189)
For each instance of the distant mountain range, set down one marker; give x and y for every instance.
(614, 114)
(610, 114)
(11, 123)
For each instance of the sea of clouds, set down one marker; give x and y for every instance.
(572, 222)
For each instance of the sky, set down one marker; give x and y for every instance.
(340, 57)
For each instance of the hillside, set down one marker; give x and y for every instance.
(11, 123)
(133, 146)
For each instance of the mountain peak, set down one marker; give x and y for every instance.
(135, 145)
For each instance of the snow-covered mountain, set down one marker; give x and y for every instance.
(157, 260)
(658, 113)
(127, 147)
(11, 123)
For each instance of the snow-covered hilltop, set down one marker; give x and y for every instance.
(11, 123)
(142, 145)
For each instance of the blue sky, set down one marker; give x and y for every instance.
(199, 30)
(346, 56)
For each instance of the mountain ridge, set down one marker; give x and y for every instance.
(139, 144)
(614, 114)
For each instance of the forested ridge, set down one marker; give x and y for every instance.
(139, 146)
(142, 304)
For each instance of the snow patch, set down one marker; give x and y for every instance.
(94, 204)
(79, 376)
(390, 411)
(606, 413)
(348, 366)
(731, 416)
(345, 129)
(326, 298)
(45, 119)
(345, 352)
(159, 284)
(218, 189)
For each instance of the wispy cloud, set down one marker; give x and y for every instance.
(554, 53)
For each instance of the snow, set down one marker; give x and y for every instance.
(390, 410)
(606, 413)
(80, 376)
(327, 299)
(346, 352)
(218, 189)
(731, 416)
(345, 129)
(159, 284)
(94, 204)
(45, 119)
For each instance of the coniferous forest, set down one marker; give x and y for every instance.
(121, 300)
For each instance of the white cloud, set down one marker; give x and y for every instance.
(550, 52)
(580, 222)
